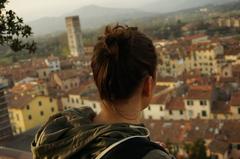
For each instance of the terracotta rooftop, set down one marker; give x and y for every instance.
(199, 94)
(201, 87)
(68, 74)
(20, 101)
(192, 37)
(235, 99)
(218, 146)
(160, 99)
(192, 130)
(175, 104)
(52, 58)
(220, 107)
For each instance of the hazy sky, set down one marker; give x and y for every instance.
(34, 9)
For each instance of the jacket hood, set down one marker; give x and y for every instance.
(73, 133)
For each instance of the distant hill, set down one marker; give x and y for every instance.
(91, 16)
(163, 6)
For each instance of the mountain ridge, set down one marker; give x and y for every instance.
(91, 16)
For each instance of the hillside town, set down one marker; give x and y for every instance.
(197, 94)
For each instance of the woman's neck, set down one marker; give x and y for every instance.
(127, 112)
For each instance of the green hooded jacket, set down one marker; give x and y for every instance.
(72, 134)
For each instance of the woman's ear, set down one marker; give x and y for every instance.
(148, 86)
(147, 91)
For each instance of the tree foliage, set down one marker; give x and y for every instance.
(13, 31)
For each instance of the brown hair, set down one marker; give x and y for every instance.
(122, 58)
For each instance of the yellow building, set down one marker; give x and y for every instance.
(168, 82)
(29, 111)
(207, 57)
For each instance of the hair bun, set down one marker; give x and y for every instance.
(111, 43)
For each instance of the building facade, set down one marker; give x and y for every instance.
(27, 112)
(5, 126)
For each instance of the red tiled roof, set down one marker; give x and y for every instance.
(160, 99)
(201, 88)
(192, 37)
(235, 99)
(220, 107)
(199, 94)
(175, 104)
(20, 101)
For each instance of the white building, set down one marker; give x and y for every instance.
(156, 109)
(198, 103)
(53, 63)
(79, 97)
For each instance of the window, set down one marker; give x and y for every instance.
(40, 103)
(149, 108)
(29, 117)
(190, 102)
(20, 130)
(238, 110)
(10, 115)
(41, 113)
(161, 109)
(44, 73)
(190, 113)
(50, 99)
(170, 112)
(52, 109)
(204, 113)
(94, 105)
(77, 100)
(14, 129)
(203, 102)
(181, 112)
(73, 100)
(28, 107)
(82, 102)
(17, 117)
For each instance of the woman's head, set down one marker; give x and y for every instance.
(124, 59)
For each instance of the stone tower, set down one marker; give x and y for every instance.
(74, 33)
